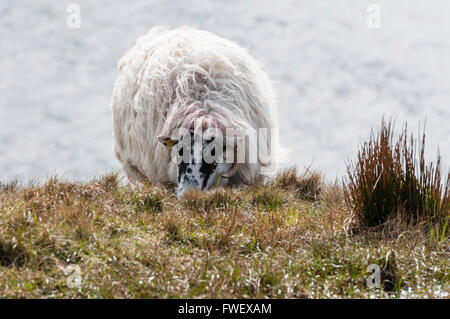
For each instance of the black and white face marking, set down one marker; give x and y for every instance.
(199, 174)
(200, 168)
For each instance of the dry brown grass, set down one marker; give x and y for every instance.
(306, 186)
(289, 238)
(389, 178)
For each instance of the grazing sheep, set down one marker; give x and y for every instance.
(186, 79)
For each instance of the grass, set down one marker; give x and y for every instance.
(389, 179)
(289, 238)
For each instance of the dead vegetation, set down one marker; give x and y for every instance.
(390, 179)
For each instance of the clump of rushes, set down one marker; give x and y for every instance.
(388, 179)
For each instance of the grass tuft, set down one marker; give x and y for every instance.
(9, 186)
(307, 186)
(390, 178)
(267, 198)
(146, 202)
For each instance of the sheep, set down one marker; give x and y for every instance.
(188, 79)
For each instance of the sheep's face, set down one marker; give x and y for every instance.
(199, 168)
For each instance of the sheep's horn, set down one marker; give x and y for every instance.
(232, 171)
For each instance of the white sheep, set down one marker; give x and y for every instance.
(172, 79)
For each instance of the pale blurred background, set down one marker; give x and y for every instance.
(335, 76)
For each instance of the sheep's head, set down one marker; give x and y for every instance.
(201, 162)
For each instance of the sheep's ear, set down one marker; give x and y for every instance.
(166, 140)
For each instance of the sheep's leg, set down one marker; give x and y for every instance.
(134, 176)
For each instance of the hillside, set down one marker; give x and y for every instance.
(292, 237)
